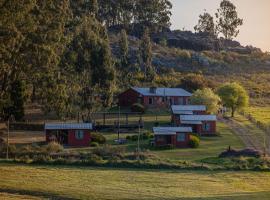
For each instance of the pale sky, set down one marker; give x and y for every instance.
(256, 14)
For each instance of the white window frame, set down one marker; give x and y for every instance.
(181, 137)
(79, 134)
(206, 127)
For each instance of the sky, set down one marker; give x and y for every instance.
(255, 13)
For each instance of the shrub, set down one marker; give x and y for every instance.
(134, 137)
(98, 138)
(147, 135)
(194, 141)
(94, 144)
(128, 137)
(53, 147)
(109, 151)
(137, 107)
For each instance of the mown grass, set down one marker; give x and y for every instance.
(209, 146)
(98, 183)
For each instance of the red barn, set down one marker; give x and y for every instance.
(70, 134)
(201, 124)
(178, 110)
(153, 97)
(175, 136)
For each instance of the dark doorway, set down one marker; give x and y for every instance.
(168, 139)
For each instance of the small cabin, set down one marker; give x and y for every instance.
(69, 134)
(174, 136)
(178, 110)
(201, 124)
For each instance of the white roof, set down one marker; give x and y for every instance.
(191, 122)
(163, 92)
(179, 109)
(198, 117)
(171, 130)
(66, 126)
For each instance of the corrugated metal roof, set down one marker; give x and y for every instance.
(180, 112)
(163, 92)
(66, 126)
(198, 117)
(178, 108)
(171, 130)
(191, 122)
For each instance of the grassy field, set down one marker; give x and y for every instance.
(261, 114)
(98, 183)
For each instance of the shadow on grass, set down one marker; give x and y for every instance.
(39, 194)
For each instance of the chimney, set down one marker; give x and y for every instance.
(153, 90)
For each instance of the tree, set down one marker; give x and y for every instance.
(228, 20)
(206, 24)
(123, 47)
(146, 56)
(206, 97)
(233, 96)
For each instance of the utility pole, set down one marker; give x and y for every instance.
(138, 142)
(7, 138)
(118, 123)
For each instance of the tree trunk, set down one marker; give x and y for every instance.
(233, 111)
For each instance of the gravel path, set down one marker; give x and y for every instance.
(249, 139)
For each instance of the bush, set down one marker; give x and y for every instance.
(134, 137)
(194, 141)
(147, 135)
(94, 144)
(128, 137)
(137, 107)
(98, 138)
(53, 147)
(109, 151)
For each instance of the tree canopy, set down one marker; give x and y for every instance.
(233, 96)
(206, 24)
(228, 20)
(206, 97)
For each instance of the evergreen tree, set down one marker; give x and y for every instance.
(17, 99)
(228, 20)
(206, 24)
(146, 56)
(123, 47)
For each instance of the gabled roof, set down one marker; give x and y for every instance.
(181, 109)
(171, 130)
(173, 92)
(198, 117)
(68, 126)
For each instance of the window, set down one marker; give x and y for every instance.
(181, 101)
(206, 127)
(181, 137)
(160, 138)
(79, 134)
(163, 99)
(150, 101)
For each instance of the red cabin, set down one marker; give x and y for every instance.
(201, 124)
(178, 110)
(175, 136)
(69, 134)
(154, 97)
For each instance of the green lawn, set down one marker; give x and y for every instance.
(261, 114)
(98, 183)
(209, 146)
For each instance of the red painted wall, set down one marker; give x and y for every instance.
(174, 142)
(128, 98)
(183, 144)
(73, 141)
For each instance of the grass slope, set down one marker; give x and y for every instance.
(90, 183)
